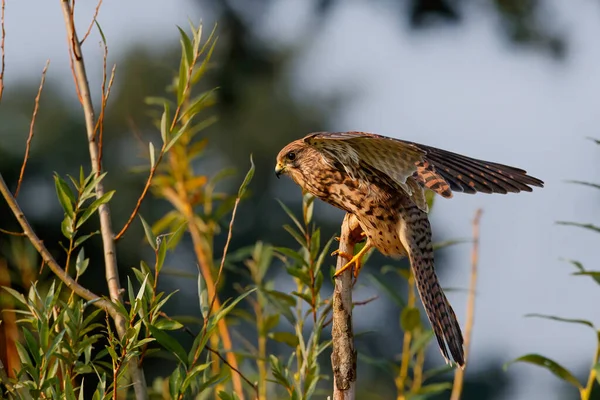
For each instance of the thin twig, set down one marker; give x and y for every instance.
(47, 257)
(229, 235)
(31, 126)
(110, 258)
(459, 374)
(2, 39)
(6, 232)
(343, 355)
(140, 199)
(89, 29)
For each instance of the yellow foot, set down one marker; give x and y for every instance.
(353, 260)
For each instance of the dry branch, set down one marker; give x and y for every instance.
(343, 356)
(459, 375)
(31, 126)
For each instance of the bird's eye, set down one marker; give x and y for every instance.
(291, 156)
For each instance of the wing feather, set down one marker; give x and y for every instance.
(439, 170)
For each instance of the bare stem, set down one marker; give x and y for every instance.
(459, 374)
(110, 258)
(31, 126)
(343, 356)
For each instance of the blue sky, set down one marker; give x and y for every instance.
(490, 101)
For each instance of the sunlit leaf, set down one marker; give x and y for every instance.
(149, 234)
(65, 195)
(247, 179)
(284, 337)
(203, 296)
(105, 198)
(81, 263)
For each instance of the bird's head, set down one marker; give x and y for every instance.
(291, 160)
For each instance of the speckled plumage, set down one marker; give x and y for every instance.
(381, 181)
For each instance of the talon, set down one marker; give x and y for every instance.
(341, 254)
(353, 260)
(337, 238)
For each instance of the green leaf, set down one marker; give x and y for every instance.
(168, 324)
(83, 238)
(449, 243)
(222, 313)
(247, 179)
(66, 227)
(560, 319)
(149, 234)
(577, 264)
(165, 129)
(178, 135)
(285, 337)
(162, 253)
(410, 319)
(152, 153)
(16, 295)
(186, 47)
(435, 388)
(591, 227)
(550, 365)
(203, 296)
(81, 263)
(291, 215)
(105, 198)
(90, 186)
(590, 184)
(169, 343)
(65, 195)
(597, 369)
(420, 341)
(197, 105)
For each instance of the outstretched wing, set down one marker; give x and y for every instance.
(439, 170)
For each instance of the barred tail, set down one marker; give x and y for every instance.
(415, 235)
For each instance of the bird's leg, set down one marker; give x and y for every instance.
(354, 260)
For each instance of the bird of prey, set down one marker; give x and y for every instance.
(381, 181)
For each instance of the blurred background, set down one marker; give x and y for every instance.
(512, 81)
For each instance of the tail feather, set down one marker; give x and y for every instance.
(415, 234)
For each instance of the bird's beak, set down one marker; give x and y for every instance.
(279, 170)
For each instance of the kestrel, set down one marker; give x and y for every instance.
(381, 181)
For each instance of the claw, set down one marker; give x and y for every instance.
(353, 260)
(341, 254)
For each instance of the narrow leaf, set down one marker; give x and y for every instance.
(105, 198)
(550, 365)
(560, 319)
(169, 343)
